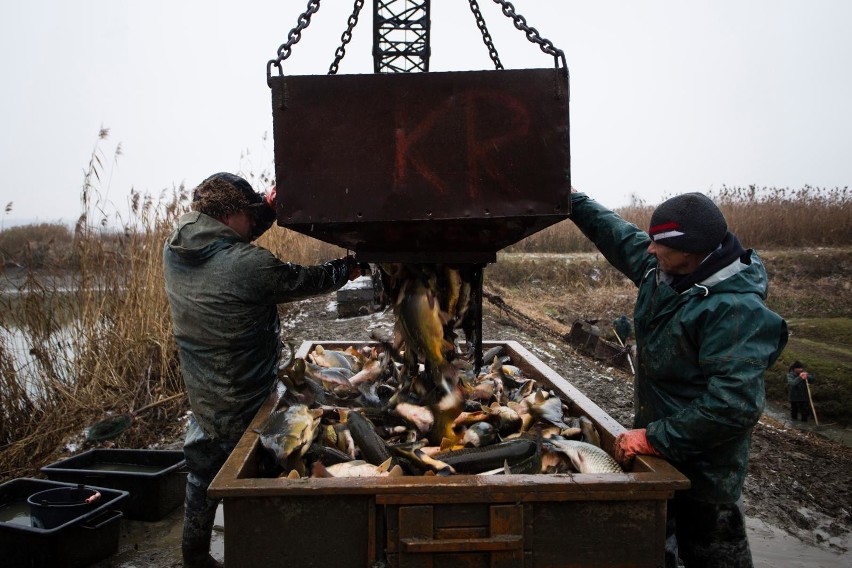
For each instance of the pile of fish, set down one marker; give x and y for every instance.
(377, 411)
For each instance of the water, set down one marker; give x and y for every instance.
(125, 467)
(834, 432)
(18, 343)
(16, 513)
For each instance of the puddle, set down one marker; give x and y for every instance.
(831, 431)
(771, 547)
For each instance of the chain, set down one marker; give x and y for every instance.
(532, 34)
(486, 37)
(285, 49)
(346, 37)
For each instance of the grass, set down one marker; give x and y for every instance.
(88, 305)
(824, 346)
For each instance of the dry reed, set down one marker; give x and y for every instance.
(763, 218)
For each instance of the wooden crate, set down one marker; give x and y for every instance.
(463, 520)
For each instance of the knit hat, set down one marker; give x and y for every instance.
(690, 223)
(223, 194)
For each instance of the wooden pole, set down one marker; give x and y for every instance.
(811, 401)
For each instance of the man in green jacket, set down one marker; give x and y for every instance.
(704, 338)
(223, 292)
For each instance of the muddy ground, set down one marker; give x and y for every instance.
(798, 494)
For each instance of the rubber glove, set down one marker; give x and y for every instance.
(632, 443)
(353, 267)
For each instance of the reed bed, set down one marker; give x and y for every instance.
(86, 326)
(763, 218)
(92, 333)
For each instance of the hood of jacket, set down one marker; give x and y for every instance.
(198, 237)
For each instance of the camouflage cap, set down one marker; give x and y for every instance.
(224, 194)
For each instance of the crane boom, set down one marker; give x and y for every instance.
(401, 35)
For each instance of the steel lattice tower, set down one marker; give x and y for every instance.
(401, 35)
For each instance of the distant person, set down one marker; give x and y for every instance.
(223, 292)
(797, 387)
(704, 339)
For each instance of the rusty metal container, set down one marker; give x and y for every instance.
(517, 520)
(422, 167)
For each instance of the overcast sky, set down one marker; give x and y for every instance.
(666, 96)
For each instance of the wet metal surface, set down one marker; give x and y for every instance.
(428, 166)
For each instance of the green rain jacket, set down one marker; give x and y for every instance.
(223, 294)
(699, 387)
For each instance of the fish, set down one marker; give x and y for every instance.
(493, 353)
(333, 358)
(505, 419)
(371, 370)
(453, 284)
(327, 454)
(546, 407)
(414, 453)
(585, 457)
(356, 468)
(520, 451)
(330, 377)
(420, 325)
(290, 432)
(373, 448)
(479, 434)
(590, 433)
(418, 416)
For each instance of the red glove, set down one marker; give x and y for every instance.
(630, 444)
(270, 197)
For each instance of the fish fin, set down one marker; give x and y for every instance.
(385, 465)
(319, 470)
(578, 460)
(396, 471)
(506, 469)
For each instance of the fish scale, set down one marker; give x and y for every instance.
(585, 457)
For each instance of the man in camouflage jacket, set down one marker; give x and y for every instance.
(223, 292)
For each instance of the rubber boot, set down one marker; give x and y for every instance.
(199, 514)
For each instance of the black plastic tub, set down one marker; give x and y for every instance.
(79, 541)
(155, 479)
(54, 507)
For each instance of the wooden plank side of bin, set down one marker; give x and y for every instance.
(336, 531)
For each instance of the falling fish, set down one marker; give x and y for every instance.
(585, 458)
(290, 432)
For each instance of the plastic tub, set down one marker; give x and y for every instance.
(87, 538)
(54, 507)
(155, 479)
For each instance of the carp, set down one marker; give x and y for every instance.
(356, 468)
(290, 432)
(585, 457)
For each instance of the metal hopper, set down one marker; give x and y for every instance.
(422, 167)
